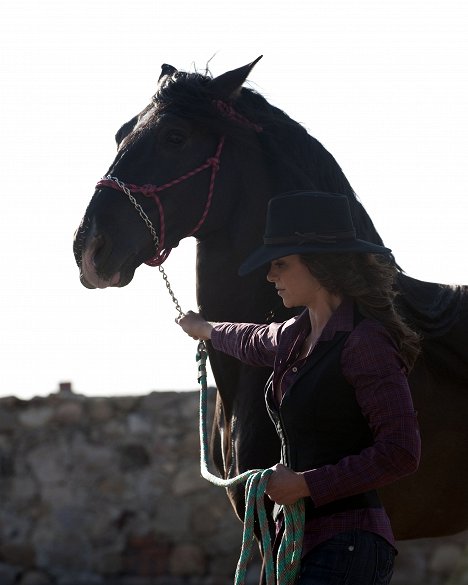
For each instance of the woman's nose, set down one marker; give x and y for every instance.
(271, 275)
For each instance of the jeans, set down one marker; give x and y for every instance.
(349, 558)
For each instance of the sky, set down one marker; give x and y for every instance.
(382, 84)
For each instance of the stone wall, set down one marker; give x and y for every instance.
(107, 491)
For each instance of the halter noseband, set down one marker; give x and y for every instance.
(153, 190)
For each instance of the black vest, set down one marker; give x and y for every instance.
(320, 421)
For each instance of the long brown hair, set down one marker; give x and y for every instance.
(368, 279)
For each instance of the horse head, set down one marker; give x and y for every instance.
(164, 182)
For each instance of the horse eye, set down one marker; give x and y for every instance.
(175, 137)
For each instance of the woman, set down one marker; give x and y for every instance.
(338, 395)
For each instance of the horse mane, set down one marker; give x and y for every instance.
(299, 161)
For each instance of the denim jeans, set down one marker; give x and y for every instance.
(350, 558)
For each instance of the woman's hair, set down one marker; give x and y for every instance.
(368, 279)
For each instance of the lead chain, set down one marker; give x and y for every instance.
(154, 235)
(170, 291)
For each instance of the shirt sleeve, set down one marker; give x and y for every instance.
(372, 365)
(255, 345)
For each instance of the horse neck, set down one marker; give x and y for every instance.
(221, 293)
(300, 161)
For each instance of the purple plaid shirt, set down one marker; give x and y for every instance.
(371, 363)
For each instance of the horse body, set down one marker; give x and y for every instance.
(265, 153)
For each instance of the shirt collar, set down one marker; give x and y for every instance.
(341, 320)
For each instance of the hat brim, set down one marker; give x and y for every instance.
(266, 254)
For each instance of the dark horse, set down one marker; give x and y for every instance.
(203, 159)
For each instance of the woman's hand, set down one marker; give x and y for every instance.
(194, 325)
(285, 486)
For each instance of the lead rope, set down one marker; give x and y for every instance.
(290, 549)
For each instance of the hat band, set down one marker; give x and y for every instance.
(304, 238)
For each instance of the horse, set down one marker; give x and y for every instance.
(202, 160)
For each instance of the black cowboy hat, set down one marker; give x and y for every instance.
(307, 222)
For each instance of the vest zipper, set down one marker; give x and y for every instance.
(287, 449)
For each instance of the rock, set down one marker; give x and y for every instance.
(7, 464)
(159, 403)
(187, 559)
(35, 578)
(205, 520)
(188, 480)
(18, 554)
(460, 574)
(139, 424)
(445, 558)
(24, 487)
(8, 421)
(112, 429)
(100, 410)
(69, 413)
(79, 578)
(173, 518)
(49, 462)
(133, 456)
(108, 562)
(190, 446)
(189, 406)
(125, 403)
(8, 574)
(36, 417)
(410, 568)
(146, 555)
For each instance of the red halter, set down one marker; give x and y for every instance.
(153, 190)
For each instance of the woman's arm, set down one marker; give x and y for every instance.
(252, 344)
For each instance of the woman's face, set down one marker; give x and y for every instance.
(293, 281)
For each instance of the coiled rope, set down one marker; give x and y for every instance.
(289, 552)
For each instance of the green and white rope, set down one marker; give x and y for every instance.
(289, 553)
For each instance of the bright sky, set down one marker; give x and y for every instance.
(383, 84)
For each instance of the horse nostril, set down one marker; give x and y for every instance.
(98, 250)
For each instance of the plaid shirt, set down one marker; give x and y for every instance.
(371, 363)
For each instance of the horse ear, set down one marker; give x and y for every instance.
(229, 84)
(166, 70)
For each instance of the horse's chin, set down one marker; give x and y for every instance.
(125, 277)
(93, 280)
